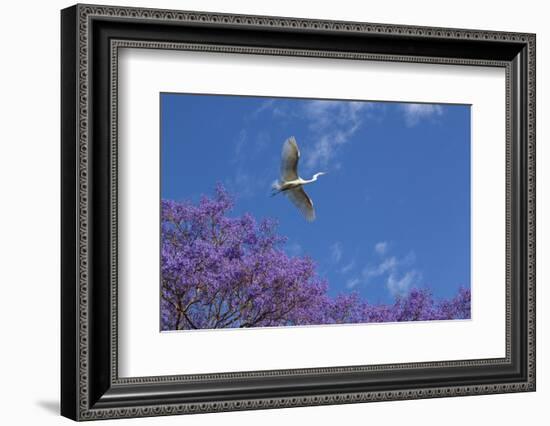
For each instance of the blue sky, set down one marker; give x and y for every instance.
(393, 211)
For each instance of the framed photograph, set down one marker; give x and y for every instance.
(263, 212)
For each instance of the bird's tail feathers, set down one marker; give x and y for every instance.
(275, 188)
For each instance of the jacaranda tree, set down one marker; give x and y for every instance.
(228, 272)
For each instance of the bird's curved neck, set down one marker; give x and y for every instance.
(313, 179)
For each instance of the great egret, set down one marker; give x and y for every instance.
(291, 184)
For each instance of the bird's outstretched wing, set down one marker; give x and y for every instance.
(301, 200)
(289, 160)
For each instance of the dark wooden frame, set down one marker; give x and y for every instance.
(90, 386)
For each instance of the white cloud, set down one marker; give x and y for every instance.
(276, 107)
(324, 113)
(294, 249)
(245, 185)
(399, 285)
(241, 184)
(415, 112)
(336, 252)
(381, 247)
(352, 283)
(348, 267)
(409, 259)
(398, 272)
(240, 143)
(265, 105)
(247, 147)
(262, 140)
(332, 123)
(388, 264)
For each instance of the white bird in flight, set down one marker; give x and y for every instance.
(291, 184)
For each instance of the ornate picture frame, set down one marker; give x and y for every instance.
(91, 37)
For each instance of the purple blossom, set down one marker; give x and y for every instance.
(219, 271)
